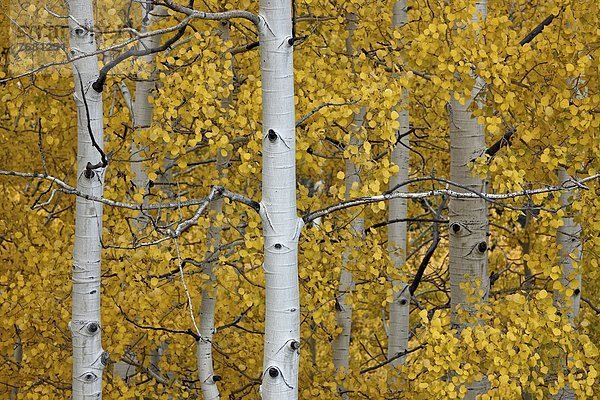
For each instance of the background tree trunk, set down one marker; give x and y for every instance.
(568, 239)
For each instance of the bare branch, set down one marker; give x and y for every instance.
(491, 197)
(217, 16)
(425, 261)
(68, 189)
(317, 109)
(394, 357)
(94, 53)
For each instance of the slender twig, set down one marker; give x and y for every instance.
(592, 306)
(538, 29)
(99, 84)
(394, 357)
(68, 189)
(425, 261)
(215, 16)
(103, 161)
(156, 328)
(491, 197)
(318, 108)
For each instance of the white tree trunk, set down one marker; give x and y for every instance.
(204, 357)
(144, 88)
(568, 239)
(281, 225)
(89, 358)
(18, 355)
(343, 314)
(468, 218)
(400, 308)
(343, 310)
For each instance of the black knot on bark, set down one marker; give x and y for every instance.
(88, 173)
(278, 246)
(273, 372)
(216, 378)
(455, 227)
(403, 302)
(577, 291)
(104, 358)
(295, 345)
(272, 135)
(482, 247)
(93, 327)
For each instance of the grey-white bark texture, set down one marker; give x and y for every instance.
(89, 358)
(281, 225)
(468, 218)
(204, 355)
(398, 328)
(340, 346)
(141, 111)
(18, 356)
(144, 88)
(568, 239)
(343, 309)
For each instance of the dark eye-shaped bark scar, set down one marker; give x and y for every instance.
(273, 136)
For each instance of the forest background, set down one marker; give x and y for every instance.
(377, 89)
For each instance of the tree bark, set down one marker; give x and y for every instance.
(568, 298)
(400, 308)
(341, 343)
(89, 359)
(468, 218)
(281, 225)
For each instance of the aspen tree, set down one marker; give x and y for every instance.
(400, 308)
(89, 359)
(352, 181)
(281, 225)
(568, 297)
(204, 352)
(468, 218)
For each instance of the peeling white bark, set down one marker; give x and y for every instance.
(400, 308)
(281, 225)
(89, 358)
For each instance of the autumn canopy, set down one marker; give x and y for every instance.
(317, 199)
